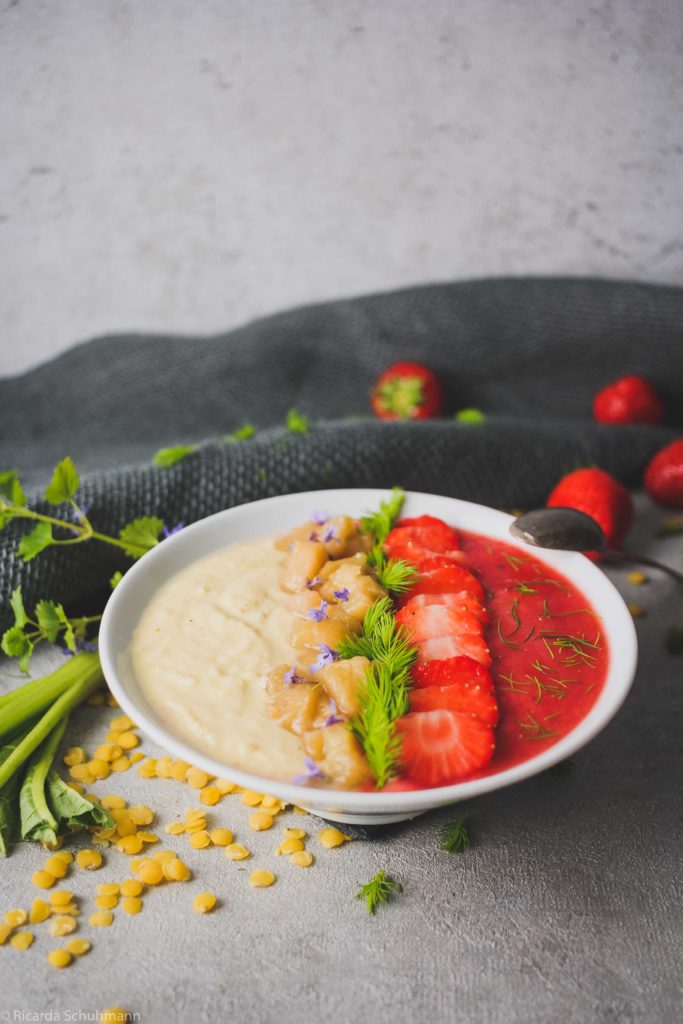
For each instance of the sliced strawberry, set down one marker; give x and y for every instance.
(441, 747)
(422, 537)
(436, 620)
(463, 600)
(447, 580)
(442, 537)
(451, 671)
(443, 647)
(467, 698)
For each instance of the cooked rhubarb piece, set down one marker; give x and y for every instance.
(314, 634)
(364, 592)
(336, 534)
(338, 754)
(442, 747)
(298, 706)
(303, 563)
(344, 682)
(299, 533)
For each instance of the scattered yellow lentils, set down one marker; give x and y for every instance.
(204, 902)
(261, 879)
(331, 837)
(637, 578)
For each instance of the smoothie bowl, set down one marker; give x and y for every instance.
(366, 655)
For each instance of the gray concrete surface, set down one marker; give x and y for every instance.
(566, 907)
(184, 167)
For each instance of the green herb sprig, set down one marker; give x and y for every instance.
(135, 539)
(455, 837)
(381, 522)
(378, 890)
(49, 621)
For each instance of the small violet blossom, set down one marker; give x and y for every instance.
(292, 676)
(330, 534)
(319, 517)
(174, 529)
(326, 657)
(333, 718)
(318, 614)
(81, 646)
(313, 536)
(312, 772)
(342, 595)
(314, 582)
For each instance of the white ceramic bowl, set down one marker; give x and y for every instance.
(273, 516)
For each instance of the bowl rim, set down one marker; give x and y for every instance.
(603, 596)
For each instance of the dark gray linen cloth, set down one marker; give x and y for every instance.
(530, 353)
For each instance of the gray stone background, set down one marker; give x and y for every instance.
(186, 165)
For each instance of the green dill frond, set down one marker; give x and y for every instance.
(374, 726)
(375, 612)
(381, 522)
(454, 837)
(354, 646)
(378, 890)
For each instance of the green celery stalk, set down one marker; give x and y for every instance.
(85, 675)
(33, 698)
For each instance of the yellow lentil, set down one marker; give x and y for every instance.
(200, 839)
(68, 908)
(176, 870)
(81, 773)
(60, 897)
(113, 802)
(126, 826)
(108, 889)
(5, 932)
(250, 798)
(129, 845)
(224, 786)
(142, 814)
(148, 768)
(74, 755)
(136, 756)
(101, 919)
(175, 828)
(121, 723)
(331, 837)
(120, 764)
(148, 837)
(637, 611)
(302, 859)
(291, 845)
(131, 904)
(204, 902)
(63, 925)
(114, 1015)
(637, 578)
(16, 917)
(235, 851)
(56, 866)
(21, 940)
(299, 810)
(131, 887)
(59, 957)
(261, 879)
(39, 912)
(91, 860)
(99, 769)
(163, 855)
(164, 767)
(107, 752)
(220, 836)
(128, 740)
(260, 821)
(210, 795)
(151, 872)
(77, 947)
(135, 863)
(66, 856)
(107, 902)
(43, 879)
(294, 833)
(179, 770)
(196, 778)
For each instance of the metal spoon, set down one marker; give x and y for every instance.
(567, 529)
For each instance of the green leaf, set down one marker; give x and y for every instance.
(37, 821)
(36, 541)
(378, 890)
(17, 605)
(51, 619)
(64, 483)
(454, 837)
(70, 808)
(243, 433)
(9, 817)
(296, 422)
(16, 644)
(10, 487)
(116, 579)
(169, 456)
(141, 535)
(469, 416)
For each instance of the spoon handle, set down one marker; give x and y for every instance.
(632, 556)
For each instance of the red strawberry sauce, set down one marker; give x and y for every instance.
(549, 654)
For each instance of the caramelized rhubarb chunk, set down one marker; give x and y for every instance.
(338, 754)
(314, 634)
(298, 533)
(344, 682)
(336, 534)
(356, 564)
(297, 706)
(303, 563)
(364, 592)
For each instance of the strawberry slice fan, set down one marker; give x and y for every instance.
(449, 732)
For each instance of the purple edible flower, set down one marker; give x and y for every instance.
(292, 677)
(333, 718)
(314, 582)
(318, 614)
(330, 534)
(312, 772)
(313, 536)
(319, 516)
(342, 595)
(81, 645)
(326, 657)
(174, 529)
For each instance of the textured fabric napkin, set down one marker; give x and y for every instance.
(530, 353)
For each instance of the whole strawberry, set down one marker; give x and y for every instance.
(600, 496)
(628, 400)
(407, 391)
(664, 475)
